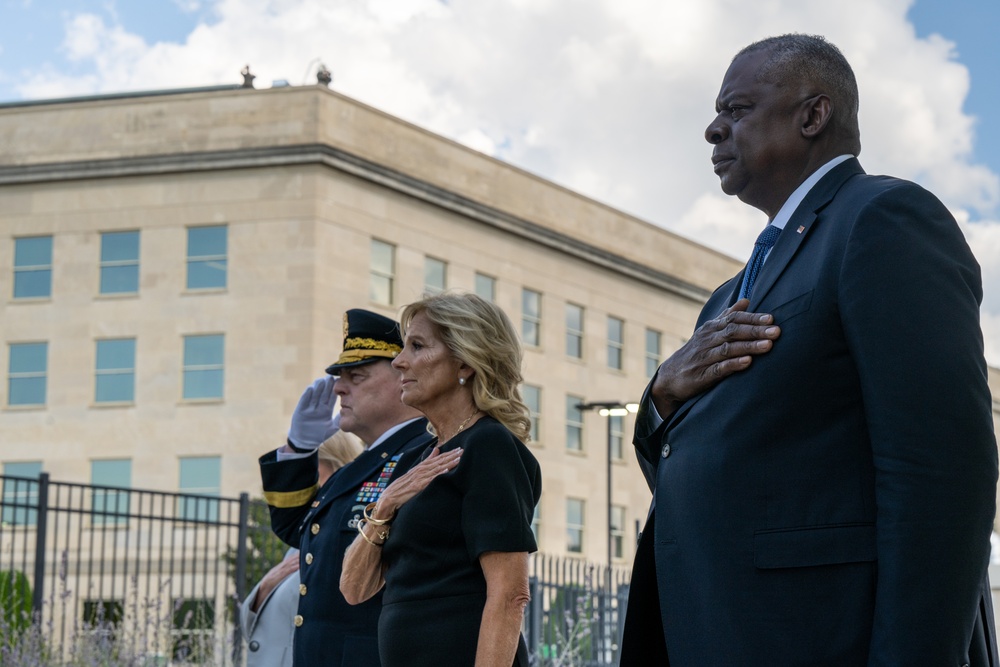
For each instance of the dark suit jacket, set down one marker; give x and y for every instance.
(322, 523)
(832, 504)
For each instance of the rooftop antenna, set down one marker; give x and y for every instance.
(305, 77)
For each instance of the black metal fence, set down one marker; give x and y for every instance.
(576, 613)
(153, 579)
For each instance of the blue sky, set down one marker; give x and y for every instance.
(973, 26)
(607, 97)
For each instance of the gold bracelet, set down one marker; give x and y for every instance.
(381, 535)
(369, 509)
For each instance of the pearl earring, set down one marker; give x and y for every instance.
(461, 381)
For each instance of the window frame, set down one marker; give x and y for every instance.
(19, 496)
(574, 337)
(108, 265)
(478, 282)
(432, 264)
(616, 348)
(101, 491)
(15, 378)
(199, 510)
(617, 532)
(378, 273)
(534, 411)
(653, 361)
(532, 319)
(100, 373)
(580, 528)
(207, 258)
(577, 425)
(189, 369)
(21, 270)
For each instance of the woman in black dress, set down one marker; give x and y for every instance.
(455, 568)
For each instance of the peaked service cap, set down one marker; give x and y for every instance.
(368, 337)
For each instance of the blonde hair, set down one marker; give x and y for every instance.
(480, 335)
(340, 449)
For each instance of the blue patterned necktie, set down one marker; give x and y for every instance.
(764, 243)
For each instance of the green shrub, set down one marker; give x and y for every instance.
(15, 602)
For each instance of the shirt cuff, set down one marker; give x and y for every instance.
(653, 418)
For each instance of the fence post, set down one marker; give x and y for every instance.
(241, 575)
(41, 523)
(622, 595)
(241, 547)
(534, 623)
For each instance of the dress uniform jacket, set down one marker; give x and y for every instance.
(322, 523)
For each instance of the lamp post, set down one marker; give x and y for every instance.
(609, 409)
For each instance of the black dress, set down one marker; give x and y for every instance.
(435, 590)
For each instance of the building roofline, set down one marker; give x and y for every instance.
(116, 96)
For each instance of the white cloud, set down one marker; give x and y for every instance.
(984, 239)
(188, 6)
(608, 97)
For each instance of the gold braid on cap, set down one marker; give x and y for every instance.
(356, 349)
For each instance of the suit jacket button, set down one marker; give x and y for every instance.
(254, 645)
(309, 559)
(315, 529)
(298, 620)
(302, 589)
(666, 450)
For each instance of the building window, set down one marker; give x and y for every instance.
(574, 525)
(652, 351)
(33, 267)
(206, 257)
(382, 272)
(435, 275)
(533, 399)
(20, 496)
(617, 425)
(574, 331)
(616, 342)
(574, 424)
(203, 366)
(486, 287)
(110, 506)
(536, 521)
(28, 373)
(115, 372)
(193, 630)
(617, 527)
(120, 262)
(531, 317)
(201, 476)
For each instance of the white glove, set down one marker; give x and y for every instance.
(313, 421)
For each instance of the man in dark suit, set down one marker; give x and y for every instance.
(321, 521)
(821, 450)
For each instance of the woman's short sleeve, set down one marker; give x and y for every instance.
(502, 484)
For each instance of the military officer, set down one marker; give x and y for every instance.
(321, 520)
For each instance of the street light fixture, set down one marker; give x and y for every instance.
(609, 409)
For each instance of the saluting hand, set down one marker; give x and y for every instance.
(718, 348)
(415, 480)
(313, 421)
